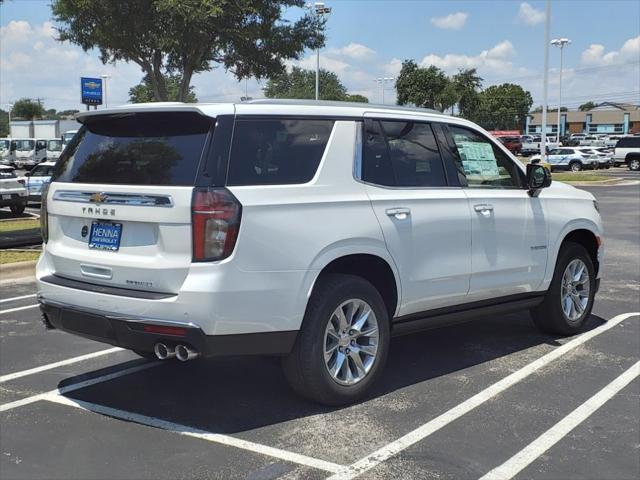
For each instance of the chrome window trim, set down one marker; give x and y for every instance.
(115, 198)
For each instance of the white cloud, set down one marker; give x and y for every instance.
(530, 15)
(496, 60)
(354, 51)
(595, 54)
(453, 21)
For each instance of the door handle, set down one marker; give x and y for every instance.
(399, 212)
(483, 208)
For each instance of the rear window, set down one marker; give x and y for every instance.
(628, 142)
(277, 151)
(6, 173)
(160, 148)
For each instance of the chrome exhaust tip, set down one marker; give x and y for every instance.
(185, 353)
(163, 352)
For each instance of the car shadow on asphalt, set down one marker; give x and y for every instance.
(237, 394)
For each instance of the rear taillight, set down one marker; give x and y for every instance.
(44, 220)
(21, 181)
(215, 220)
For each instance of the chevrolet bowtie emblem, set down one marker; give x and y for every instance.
(98, 198)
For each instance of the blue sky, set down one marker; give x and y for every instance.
(369, 39)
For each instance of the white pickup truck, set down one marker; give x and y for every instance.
(532, 147)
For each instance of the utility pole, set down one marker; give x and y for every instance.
(10, 107)
(560, 42)
(320, 11)
(543, 143)
(382, 81)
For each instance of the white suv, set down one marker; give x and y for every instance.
(312, 231)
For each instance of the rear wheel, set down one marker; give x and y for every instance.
(634, 164)
(17, 209)
(569, 300)
(342, 346)
(575, 166)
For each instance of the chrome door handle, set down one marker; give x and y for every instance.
(483, 208)
(399, 212)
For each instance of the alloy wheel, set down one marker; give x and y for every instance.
(575, 290)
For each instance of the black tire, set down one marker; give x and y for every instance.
(634, 164)
(575, 166)
(18, 209)
(147, 355)
(549, 315)
(305, 367)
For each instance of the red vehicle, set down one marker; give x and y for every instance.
(513, 144)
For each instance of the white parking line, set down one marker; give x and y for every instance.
(548, 439)
(420, 433)
(15, 299)
(197, 433)
(77, 386)
(61, 363)
(17, 309)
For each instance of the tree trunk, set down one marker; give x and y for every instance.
(185, 84)
(160, 87)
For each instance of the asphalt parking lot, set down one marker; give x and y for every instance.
(492, 397)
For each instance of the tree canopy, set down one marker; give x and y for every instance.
(247, 37)
(27, 109)
(301, 84)
(143, 92)
(503, 107)
(587, 106)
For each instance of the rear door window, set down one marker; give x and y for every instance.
(277, 151)
(628, 142)
(159, 148)
(400, 153)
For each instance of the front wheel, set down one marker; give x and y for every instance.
(575, 166)
(342, 346)
(18, 209)
(568, 302)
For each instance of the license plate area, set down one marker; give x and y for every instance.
(105, 236)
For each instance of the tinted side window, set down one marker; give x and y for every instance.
(376, 165)
(414, 154)
(629, 142)
(485, 165)
(277, 151)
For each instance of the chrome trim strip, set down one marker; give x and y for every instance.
(115, 198)
(115, 316)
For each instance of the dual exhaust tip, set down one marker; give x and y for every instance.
(183, 353)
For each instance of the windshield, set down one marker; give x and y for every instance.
(4, 144)
(136, 149)
(42, 171)
(23, 145)
(54, 145)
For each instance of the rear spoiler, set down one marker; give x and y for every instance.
(124, 110)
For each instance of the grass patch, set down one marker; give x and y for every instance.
(579, 177)
(15, 225)
(12, 256)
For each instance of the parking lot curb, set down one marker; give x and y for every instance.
(11, 271)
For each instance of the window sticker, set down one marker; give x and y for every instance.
(478, 159)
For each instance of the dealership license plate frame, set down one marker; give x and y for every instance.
(102, 242)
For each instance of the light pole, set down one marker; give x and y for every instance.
(545, 88)
(105, 77)
(382, 81)
(320, 11)
(560, 42)
(10, 107)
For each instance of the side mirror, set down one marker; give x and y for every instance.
(538, 177)
(27, 174)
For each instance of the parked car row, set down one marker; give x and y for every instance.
(13, 192)
(28, 152)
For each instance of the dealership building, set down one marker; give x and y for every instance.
(608, 117)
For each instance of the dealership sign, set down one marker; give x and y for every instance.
(91, 90)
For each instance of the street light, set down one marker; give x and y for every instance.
(10, 107)
(320, 11)
(104, 78)
(560, 42)
(382, 81)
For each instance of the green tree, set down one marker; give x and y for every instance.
(503, 107)
(143, 92)
(467, 84)
(587, 106)
(27, 109)
(4, 123)
(423, 87)
(68, 113)
(249, 38)
(301, 83)
(356, 98)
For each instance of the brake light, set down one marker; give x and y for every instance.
(44, 220)
(215, 222)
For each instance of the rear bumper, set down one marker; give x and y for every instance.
(131, 334)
